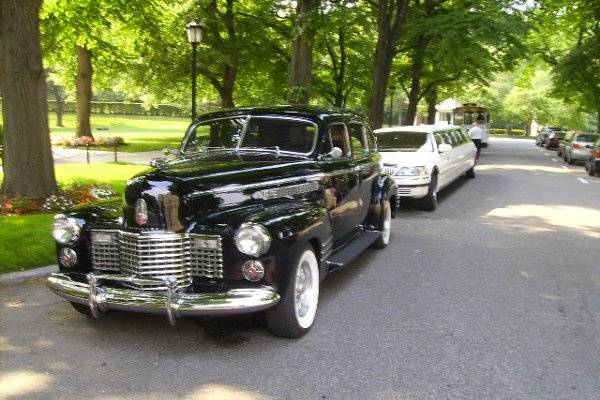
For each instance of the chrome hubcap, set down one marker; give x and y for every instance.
(303, 292)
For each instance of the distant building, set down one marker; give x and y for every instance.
(443, 113)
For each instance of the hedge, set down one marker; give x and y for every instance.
(507, 131)
(114, 107)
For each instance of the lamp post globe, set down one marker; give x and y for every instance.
(194, 36)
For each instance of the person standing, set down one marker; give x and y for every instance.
(476, 133)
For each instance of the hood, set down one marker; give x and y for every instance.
(408, 159)
(189, 189)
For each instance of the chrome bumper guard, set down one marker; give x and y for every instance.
(171, 302)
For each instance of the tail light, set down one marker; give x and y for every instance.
(577, 146)
(596, 153)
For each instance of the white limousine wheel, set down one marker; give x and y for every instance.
(295, 313)
(385, 226)
(430, 202)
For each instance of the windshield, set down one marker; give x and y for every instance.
(405, 141)
(587, 138)
(252, 133)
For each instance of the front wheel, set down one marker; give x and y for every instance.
(570, 160)
(295, 313)
(429, 202)
(589, 167)
(385, 226)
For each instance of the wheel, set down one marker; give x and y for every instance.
(295, 313)
(570, 160)
(471, 173)
(559, 153)
(385, 226)
(590, 168)
(429, 202)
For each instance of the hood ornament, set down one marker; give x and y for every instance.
(141, 212)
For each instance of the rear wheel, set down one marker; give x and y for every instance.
(570, 160)
(471, 173)
(429, 202)
(385, 226)
(295, 313)
(589, 167)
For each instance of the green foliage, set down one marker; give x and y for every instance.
(124, 108)
(25, 242)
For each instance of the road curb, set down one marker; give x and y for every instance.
(19, 276)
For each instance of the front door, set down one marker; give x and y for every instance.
(366, 160)
(342, 187)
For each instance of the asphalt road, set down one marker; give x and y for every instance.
(493, 296)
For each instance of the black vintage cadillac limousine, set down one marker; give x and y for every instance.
(258, 207)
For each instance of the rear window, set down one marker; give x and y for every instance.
(405, 141)
(587, 138)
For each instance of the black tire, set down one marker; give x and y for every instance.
(559, 153)
(471, 173)
(570, 160)
(386, 217)
(82, 308)
(590, 168)
(429, 202)
(564, 157)
(282, 319)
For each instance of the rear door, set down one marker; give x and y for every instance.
(342, 184)
(366, 161)
(445, 162)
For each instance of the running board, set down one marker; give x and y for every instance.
(348, 253)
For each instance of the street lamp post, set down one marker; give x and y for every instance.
(392, 88)
(194, 37)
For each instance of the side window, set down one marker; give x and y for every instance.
(339, 138)
(446, 138)
(453, 139)
(463, 137)
(438, 139)
(358, 139)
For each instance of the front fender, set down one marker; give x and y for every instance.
(384, 188)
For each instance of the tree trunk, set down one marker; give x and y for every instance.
(431, 97)
(229, 75)
(390, 20)
(28, 164)
(300, 74)
(598, 123)
(414, 96)
(84, 91)
(60, 109)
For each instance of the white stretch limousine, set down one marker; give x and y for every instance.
(425, 159)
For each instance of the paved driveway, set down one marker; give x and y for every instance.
(495, 295)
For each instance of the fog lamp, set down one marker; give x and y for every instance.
(253, 270)
(67, 257)
(65, 230)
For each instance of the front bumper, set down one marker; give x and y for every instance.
(170, 302)
(415, 186)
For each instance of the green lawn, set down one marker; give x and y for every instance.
(25, 240)
(141, 133)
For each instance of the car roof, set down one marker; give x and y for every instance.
(417, 128)
(306, 111)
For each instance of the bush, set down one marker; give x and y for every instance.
(18, 205)
(507, 131)
(110, 141)
(86, 140)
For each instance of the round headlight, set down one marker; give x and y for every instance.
(65, 230)
(252, 239)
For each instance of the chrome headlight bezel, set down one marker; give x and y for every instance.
(252, 239)
(419, 170)
(65, 230)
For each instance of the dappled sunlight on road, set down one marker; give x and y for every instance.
(223, 392)
(527, 167)
(533, 218)
(22, 383)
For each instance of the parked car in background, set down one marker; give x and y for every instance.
(544, 133)
(425, 159)
(259, 206)
(592, 164)
(562, 143)
(578, 148)
(553, 139)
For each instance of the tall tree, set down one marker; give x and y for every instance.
(28, 164)
(391, 15)
(301, 64)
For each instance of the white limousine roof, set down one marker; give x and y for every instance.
(417, 128)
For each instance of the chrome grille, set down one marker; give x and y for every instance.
(158, 255)
(389, 169)
(105, 250)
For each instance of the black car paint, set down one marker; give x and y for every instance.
(215, 192)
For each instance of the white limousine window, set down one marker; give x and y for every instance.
(405, 141)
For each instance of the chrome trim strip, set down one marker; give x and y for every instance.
(233, 301)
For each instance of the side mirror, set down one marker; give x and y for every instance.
(444, 148)
(334, 154)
